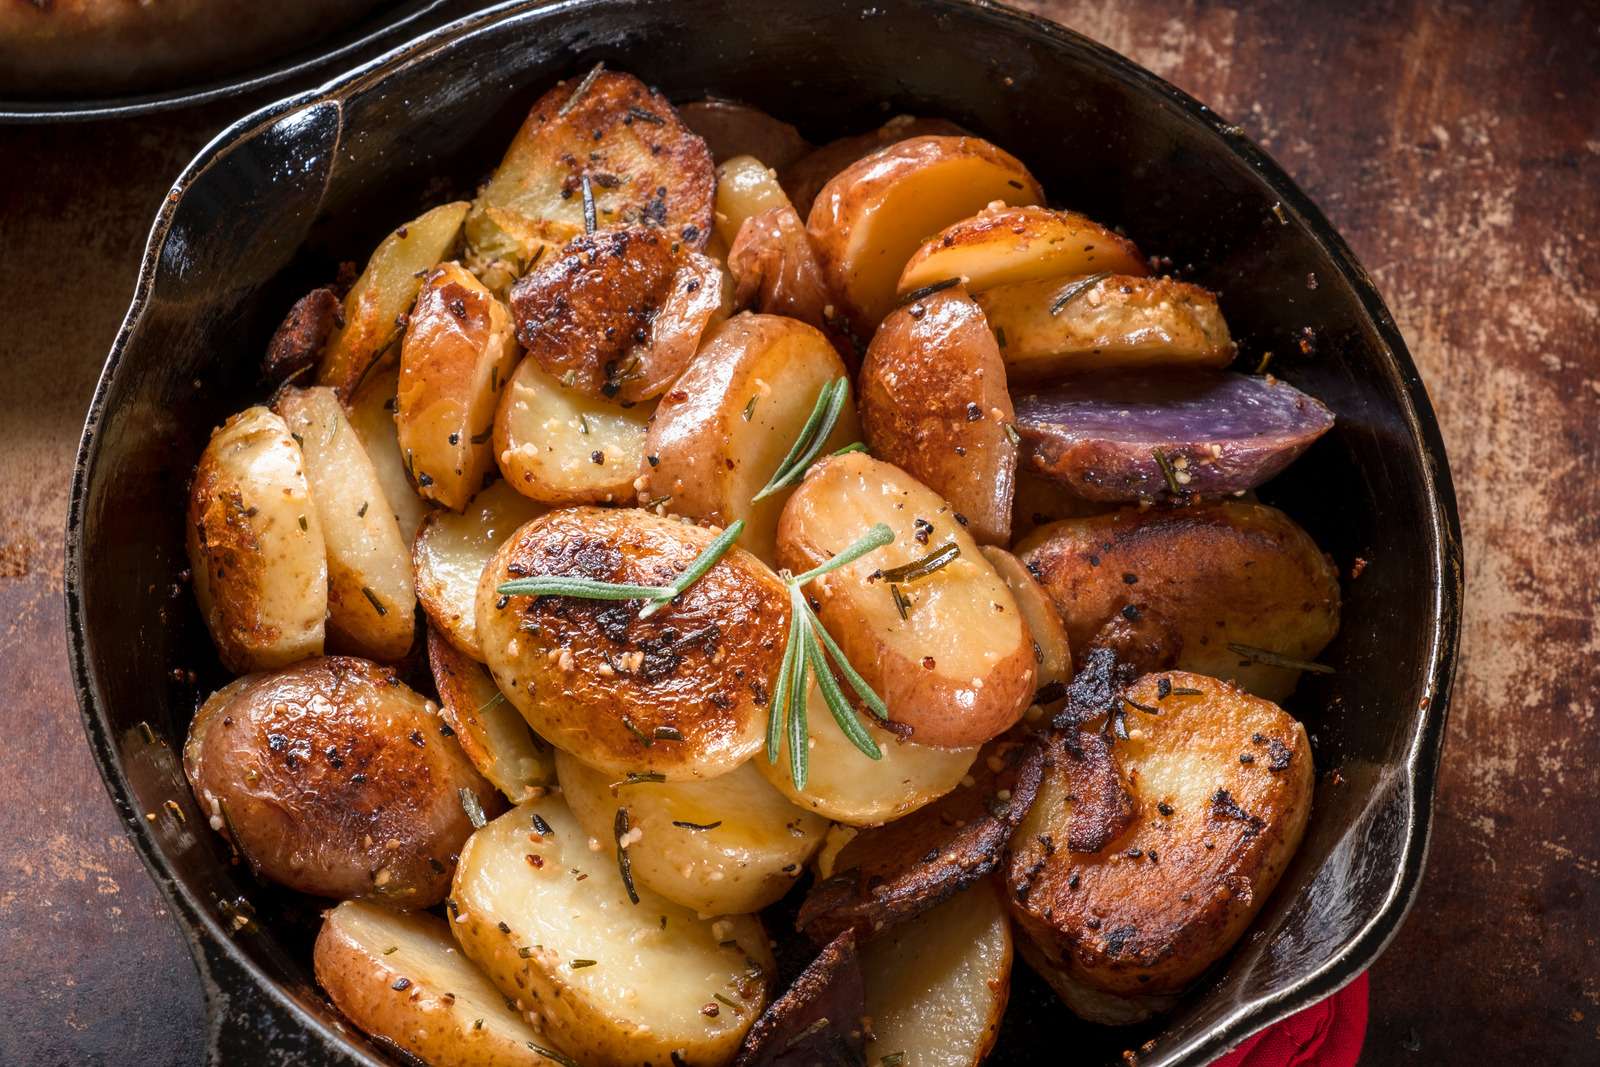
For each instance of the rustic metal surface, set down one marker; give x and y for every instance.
(1457, 148)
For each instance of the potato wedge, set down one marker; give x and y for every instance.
(1052, 653)
(372, 603)
(371, 415)
(936, 988)
(869, 219)
(681, 693)
(775, 271)
(1221, 575)
(402, 979)
(720, 434)
(457, 354)
(449, 555)
(951, 657)
(819, 1019)
(297, 343)
(731, 129)
(1010, 245)
(375, 308)
(726, 846)
(934, 403)
(642, 165)
(558, 446)
(491, 732)
(615, 982)
(806, 176)
(1063, 325)
(333, 778)
(1219, 789)
(255, 546)
(746, 186)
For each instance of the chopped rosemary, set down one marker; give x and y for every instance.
(619, 830)
(1012, 435)
(372, 598)
(830, 402)
(578, 965)
(583, 87)
(363, 512)
(942, 556)
(750, 407)
(1167, 472)
(927, 290)
(590, 223)
(901, 604)
(641, 777)
(726, 1001)
(684, 824)
(893, 1059)
(853, 446)
(542, 827)
(583, 423)
(498, 698)
(667, 733)
(470, 805)
(1076, 289)
(549, 1053)
(1275, 659)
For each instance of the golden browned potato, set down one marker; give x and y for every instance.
(1240, 584)
(681, 693)
(333, 778)
(1208, 798)
(255, 547)
(375, 309)
(457, 355)
(934, 403)
(1005, 245)
(746, 186)
(610, 131)
(806, 176)
(371, 414)
(450, 553)
(732, 129)
(1052, 653)
(372, 604)
(872, 216)
(775, 270)
(491, 732)
(936, 988)
(720, 434)
(948, 652)
(400, 977)
(560, 446)
(619, 976)
(726, 846)
(1060, 325)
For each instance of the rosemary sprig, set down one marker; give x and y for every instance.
(583, 87)
(830, 402)
(1276, 659)
(940, 557)
(1076, 289)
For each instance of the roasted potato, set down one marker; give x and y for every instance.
(449, 555)
(372, 604)
(934, 403)
(936, 988)
(608, 130)
(1166, 432)
(297, 343)
(371, 415)
(255, 546)
(1051, 651)
(806, 176)
(1062, 325)
(1216, 788)
(1040, 501)
(949, 653)
(1241, 584)
(618, 313)
(819, 1019)
(732, 129)
(401, 978)
(726, 846)
(333, 778)
(775, 271)
(869, 219)
(746, 187)
(491, 732)
(375, 308)
(682, 693)
(558, 446)
(1003, 245)
(618, 976)
(720, 434)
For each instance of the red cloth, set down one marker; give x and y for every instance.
(1328, 1034)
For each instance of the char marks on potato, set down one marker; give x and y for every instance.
(819, 1019)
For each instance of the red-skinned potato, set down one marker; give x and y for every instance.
(934, 403)
(806, 176)
(1051, 650)
(732, 129)
(775, 271)
(1003, 245)
(746, 186)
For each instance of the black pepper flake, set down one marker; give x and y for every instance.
(1163, 688)
(1072, 880)
(401, 985)
(542, 827)
(1245, 757)
(416, 739)
(1279, 755)
(1131, 579)
(1164, 808)
(598, 458)
(1134, 853)
(974, 412)
(1131, 613)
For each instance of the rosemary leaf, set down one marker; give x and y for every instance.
(703, 563)
(686, 825)
(871, 699)
(1076, 289)
(853, 446)
(552, 1055)
(780, 692)
(927, 290)
(619, 830)
(878, 536)
(799, 736)
(587, 588)
(830, 402)
(1167, 472)
(942, 556)
(474, 810)
(590, 223)
(583, 88)
(838, 704)
(1275, 659)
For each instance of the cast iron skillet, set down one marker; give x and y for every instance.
(265, 210)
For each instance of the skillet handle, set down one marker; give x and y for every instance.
(245, 1025)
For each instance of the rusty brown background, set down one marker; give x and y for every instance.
(1456, 146)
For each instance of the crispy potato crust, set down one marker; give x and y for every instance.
(297, 342)
(818, 1019)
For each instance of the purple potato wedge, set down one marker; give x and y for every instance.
(1163, 432)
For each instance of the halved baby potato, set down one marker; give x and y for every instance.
(1217, 789)
(616, 976)
(949, 652)
(1241, 585)
(371, 414)
(936, 987)
(449, 555)
(869, 219)
(1006, 245)
(746, 186)
(934, 403)
(375, 309)
(333, 778)
(732, 129)
(401, 978)
(1062, 324)
(806, 176)
(458, 353)
(726, 846)
(720, 434)
(1052, 652)
(560, 446)
(775, 271)
(681, 693)
(372, 603)
(255, 546)
(492, 733)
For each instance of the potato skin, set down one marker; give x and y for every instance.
(732, 129)
(934, 403)
(804, 178)
(1228, 572)
(259, 562)
(337, 780)
(1011, 244)
(775, 271)
(596, 680)
(1052, 652)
